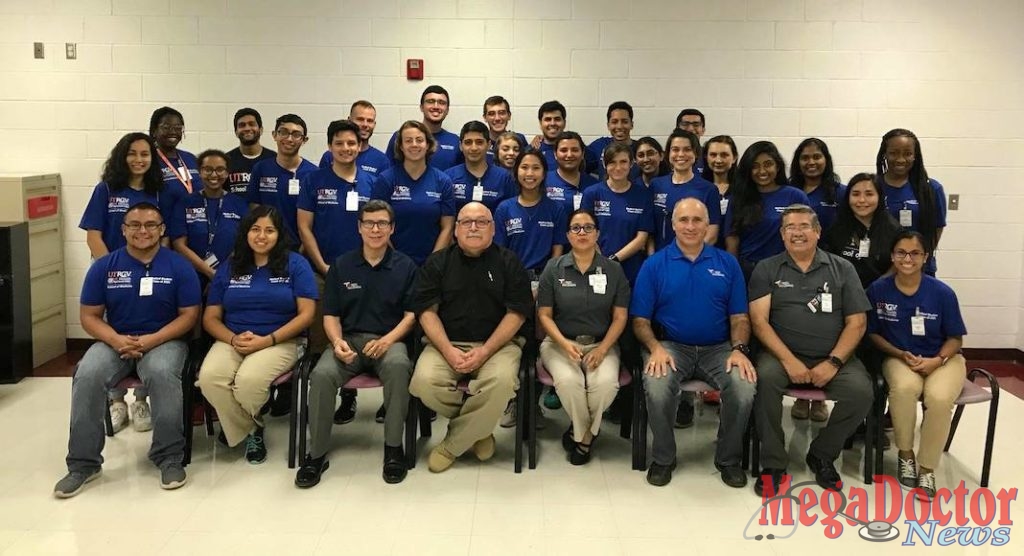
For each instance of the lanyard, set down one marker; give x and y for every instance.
(211, 222)
(185, 177)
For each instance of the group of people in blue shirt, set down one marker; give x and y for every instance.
(675, 232)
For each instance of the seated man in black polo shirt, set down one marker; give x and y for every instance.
(807, 308)
(367, 314)
(471, 298)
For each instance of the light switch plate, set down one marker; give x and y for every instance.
(37, 48)
(71, 50)
(954, 201)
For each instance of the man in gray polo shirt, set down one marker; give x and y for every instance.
(807, 308)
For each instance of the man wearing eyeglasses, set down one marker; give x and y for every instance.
(692, 120)
(434, 105)
(472, 298)
(138, 302)
(807, 308)
(276, 182)
(367, 315)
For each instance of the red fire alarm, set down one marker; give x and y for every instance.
(414, 69)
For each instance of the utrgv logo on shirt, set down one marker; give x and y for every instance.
(460, 190)
(603, 208)
(660, 199)
(196, 214)
(556, 193)
(117, 279)
(327, 196)
(514, 226)
(117, 204)
(401, 193)
(243, 281)
(268, 184)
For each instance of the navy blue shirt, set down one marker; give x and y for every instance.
(369, 299)
(764, 239)
(530, 232)
(903, 198)
(667, 194)
(447, 155)
(106, 209)
(595, 158)
(113, 282)
(325, 194)
(825, 210)
(372, 161)
(496, 186)
(419, 206)
(209, 226)
(261, 303)
(240, 169)
(691, 300)
(891, 312)
(621, 216)
(564, 192)
(172, 178)
(269, 186)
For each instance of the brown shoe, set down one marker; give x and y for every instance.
(801, 409)
(439, 459)
(483, 449)
(819, 412)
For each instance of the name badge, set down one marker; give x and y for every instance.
(826, 303)
(478, 192)
(212, 261)
(577, 199)
(146, 286)
(352, 201)
(598, 280)
(917, 325)
(293, 186)
(906, 218)
(723, 206)
(863, 247)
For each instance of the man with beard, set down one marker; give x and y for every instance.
(434, 105)
(370, 160)
(248, 128)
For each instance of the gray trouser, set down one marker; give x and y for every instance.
(329, 374)
(159, 369)
(850, 389)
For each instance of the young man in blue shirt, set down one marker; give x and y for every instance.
(497, 114)
(138, 302)
(620, 124)
(248, 126)
(478, 179)
(692, 120)
(551, 117)
(277, 182)
(434, 105)
(370, 160)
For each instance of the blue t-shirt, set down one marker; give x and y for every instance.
(892, 310)
(667, 194)
(590, 164)
(419, 206)
(172, 182)
(621, 216)
(447, 155)
(259, 302)
(563, 192)
(691, 300)
(825, 210)
(496, 182)
(209, 226)
(325, 194)
(372, 161)
(903, 198)
(269, 186)
(595, 158)
(530, 232)
(764, 239)
(106, 209)
(113, 282)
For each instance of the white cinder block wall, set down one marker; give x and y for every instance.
(844, 70)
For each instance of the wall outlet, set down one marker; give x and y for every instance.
(71, 50)
(38, 50)
(954, 201)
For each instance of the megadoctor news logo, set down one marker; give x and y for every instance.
(955, 516)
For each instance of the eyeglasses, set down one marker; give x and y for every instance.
(478, 222)
(218, 170)
(283, 133)
(584, 229)
(150, 226)
(900, 254)
(173, 128)
(802, 227)
(383, 225)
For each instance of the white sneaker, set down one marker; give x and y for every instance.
(118, 415)
(508, 419)
(141, 420)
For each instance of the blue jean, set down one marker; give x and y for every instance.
(705, 363)
(159, 369)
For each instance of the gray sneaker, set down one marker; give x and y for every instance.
(74, 482)
(173, 476)
(508, 419)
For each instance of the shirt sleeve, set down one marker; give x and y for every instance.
(646, 223)
(410, 285)
(760, 281)
(872, 294)
(215, 295)
(500, 214)
(332, 301)
(444, 183)
(428, 282)
(622, 292)
(546, 284)
(518, 293)
(587, 202)
(854, 299)
(738, 294)
(189, 293)
(940, 203)
(94, 287)
(307, 194)
(390, 151)
(561, 221)
(303, 283)
(952, 320)
(713, 201)
(382, 187)
(94, 216)
(326, 160)
(644, 290)
(252, 191)
(176, 220)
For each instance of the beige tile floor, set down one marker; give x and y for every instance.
(231, 507)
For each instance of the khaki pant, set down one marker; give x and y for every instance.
(237, 386)
(938, 390)
(473, 417)
(584, 396)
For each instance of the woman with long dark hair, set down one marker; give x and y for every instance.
(683, 182)
(529, 224)
(812, 172)
(720, 156)
(915, 200)
(650, 158)
(863, 231)
(506, 149)
(259, 304)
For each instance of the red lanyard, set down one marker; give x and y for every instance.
(185, 179)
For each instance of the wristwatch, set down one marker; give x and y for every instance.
(742, 348)
(613, 257)
(836, 362)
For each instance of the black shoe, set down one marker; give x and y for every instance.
(282, 404)
(614, 412)
(776, 476)
(222, 439)
(660, 475)
(567, 440)
(684, 415)
(309, 473)
(733, 476)
(381, 413)
(347, 410)
(394, 465)
(255, 448)
(432, 415)
(825, 473)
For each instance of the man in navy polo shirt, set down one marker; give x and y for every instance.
(434, 105)
(370, 160)
(151, 299)
(695, 294)
(367, 314)
(479, 179)
(249, 129)
(276, 182)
